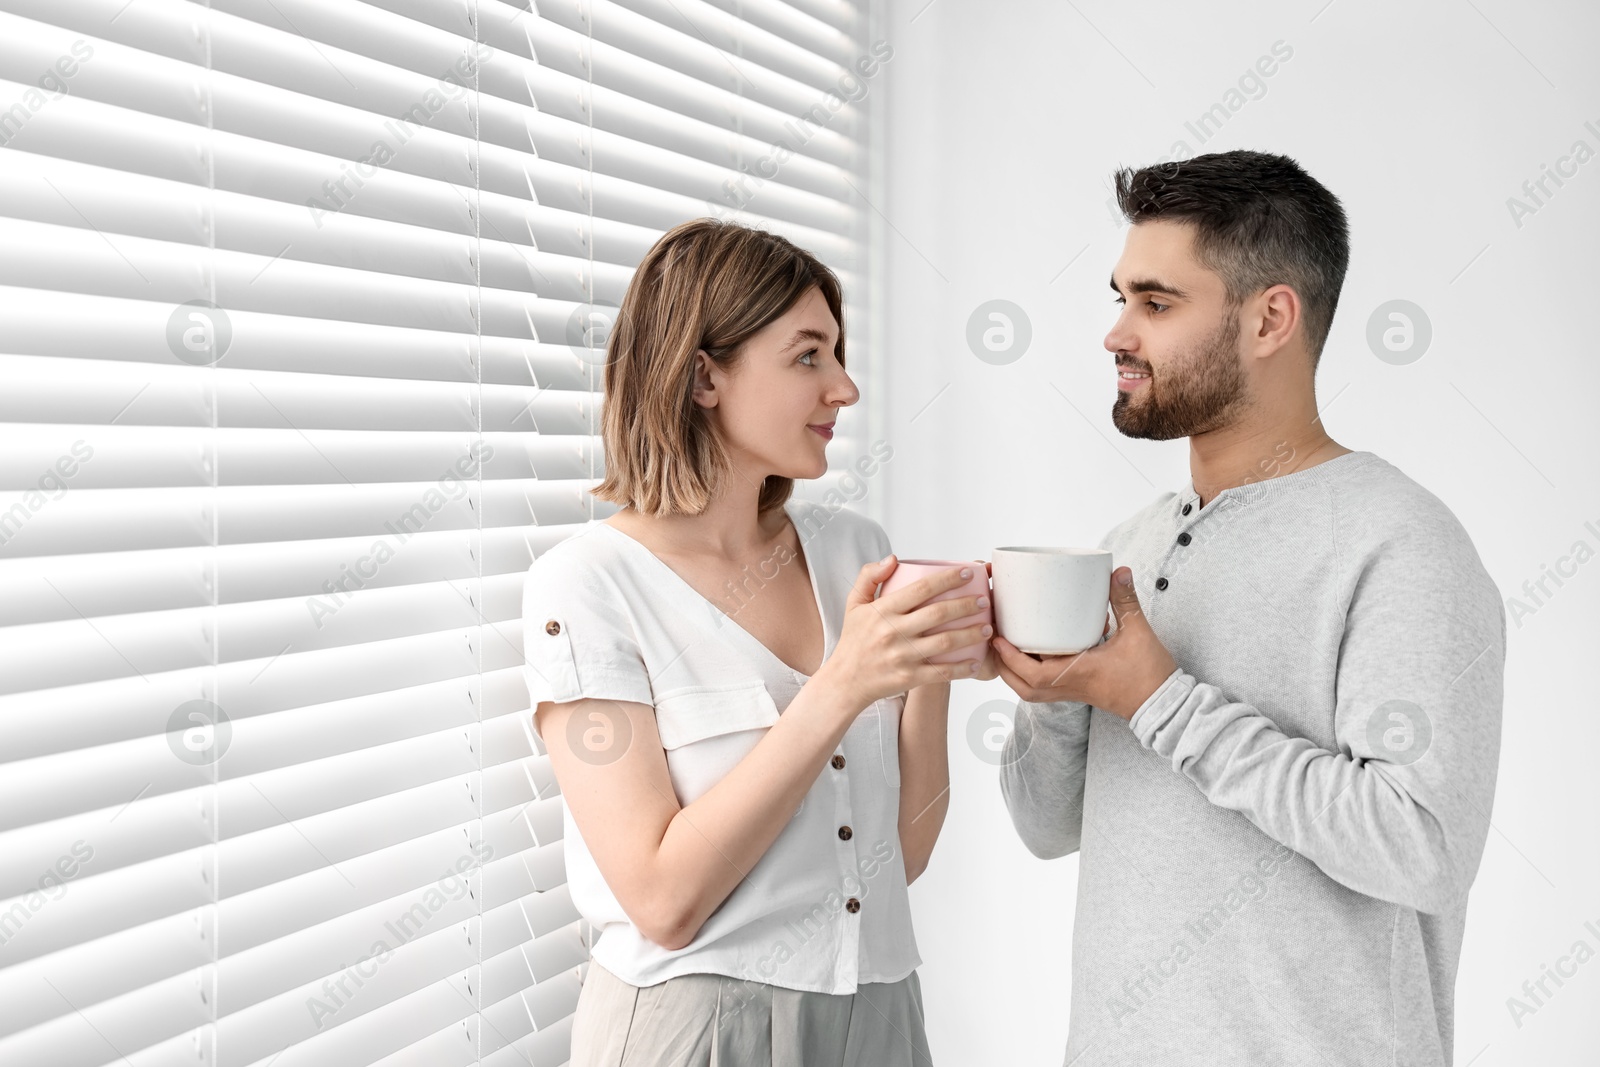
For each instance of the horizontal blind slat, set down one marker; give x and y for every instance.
(96, 907)
(39, 724)
(252, 1038)
(106, 1032)
(57, 588)
(98, 970)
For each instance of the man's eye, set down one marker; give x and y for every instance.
(1119, 300)
(1157, 307)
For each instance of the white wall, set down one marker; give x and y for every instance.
(1002, 125)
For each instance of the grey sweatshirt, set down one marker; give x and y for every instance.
(1275, 851)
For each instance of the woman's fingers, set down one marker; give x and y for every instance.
(907, 598)
(903, 617)
(950, 640)
(929, 673)
(939, 612)
(927, 647)
(868, 579)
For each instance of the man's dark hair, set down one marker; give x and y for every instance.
(1260, 220)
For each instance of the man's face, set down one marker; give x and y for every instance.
(1175, 340)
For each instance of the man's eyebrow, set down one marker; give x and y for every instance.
(805, 333)
(1148, 285)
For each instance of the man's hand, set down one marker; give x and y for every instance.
(1119, 674)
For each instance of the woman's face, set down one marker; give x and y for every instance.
(787, 387)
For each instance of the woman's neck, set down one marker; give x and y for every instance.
(731, 527)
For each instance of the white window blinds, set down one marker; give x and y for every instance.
(301, 310)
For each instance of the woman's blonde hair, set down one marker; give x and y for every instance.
(706, 284)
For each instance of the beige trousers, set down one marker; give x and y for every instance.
(707, 1020)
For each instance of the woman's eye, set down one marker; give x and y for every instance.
(811, 355)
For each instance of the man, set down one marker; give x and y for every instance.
(1278, 768)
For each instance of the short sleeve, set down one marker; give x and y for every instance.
(578, 637)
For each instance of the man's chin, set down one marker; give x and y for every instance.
(1145, 433)
(1132, 423)
(1143, 428)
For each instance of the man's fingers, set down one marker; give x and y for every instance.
(1018, 686)
(1024, 689)
(1010, 655)
(1064, 664)
(1039, 674)
(1124, 598)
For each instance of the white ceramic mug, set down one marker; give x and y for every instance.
(1051, 601)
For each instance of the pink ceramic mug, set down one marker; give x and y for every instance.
(909, 570)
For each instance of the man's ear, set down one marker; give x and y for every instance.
(705, 390)
(1280, 318)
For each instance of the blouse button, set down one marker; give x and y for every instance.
(852, 905)
(552, 627)
(838, 763)
(844, 833)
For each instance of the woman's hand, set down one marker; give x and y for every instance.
(989, 669)
(884, 647)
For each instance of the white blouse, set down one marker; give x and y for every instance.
(826, 907)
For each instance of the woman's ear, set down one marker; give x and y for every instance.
(705, 390)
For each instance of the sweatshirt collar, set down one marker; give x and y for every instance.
(1256, 491)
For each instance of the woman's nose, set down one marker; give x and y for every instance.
(845, 393)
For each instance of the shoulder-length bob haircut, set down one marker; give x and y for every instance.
(705, 285)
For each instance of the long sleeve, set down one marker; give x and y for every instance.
(1042, 770)
(1401, 810)
(1041, 775)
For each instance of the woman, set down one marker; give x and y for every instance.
(751, 748)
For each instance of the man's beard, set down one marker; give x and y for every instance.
(1197, 393)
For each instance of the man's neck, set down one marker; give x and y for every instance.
(1242, 454)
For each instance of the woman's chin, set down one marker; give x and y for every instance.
(806, 472)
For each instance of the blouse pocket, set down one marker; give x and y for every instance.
(685, 716)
